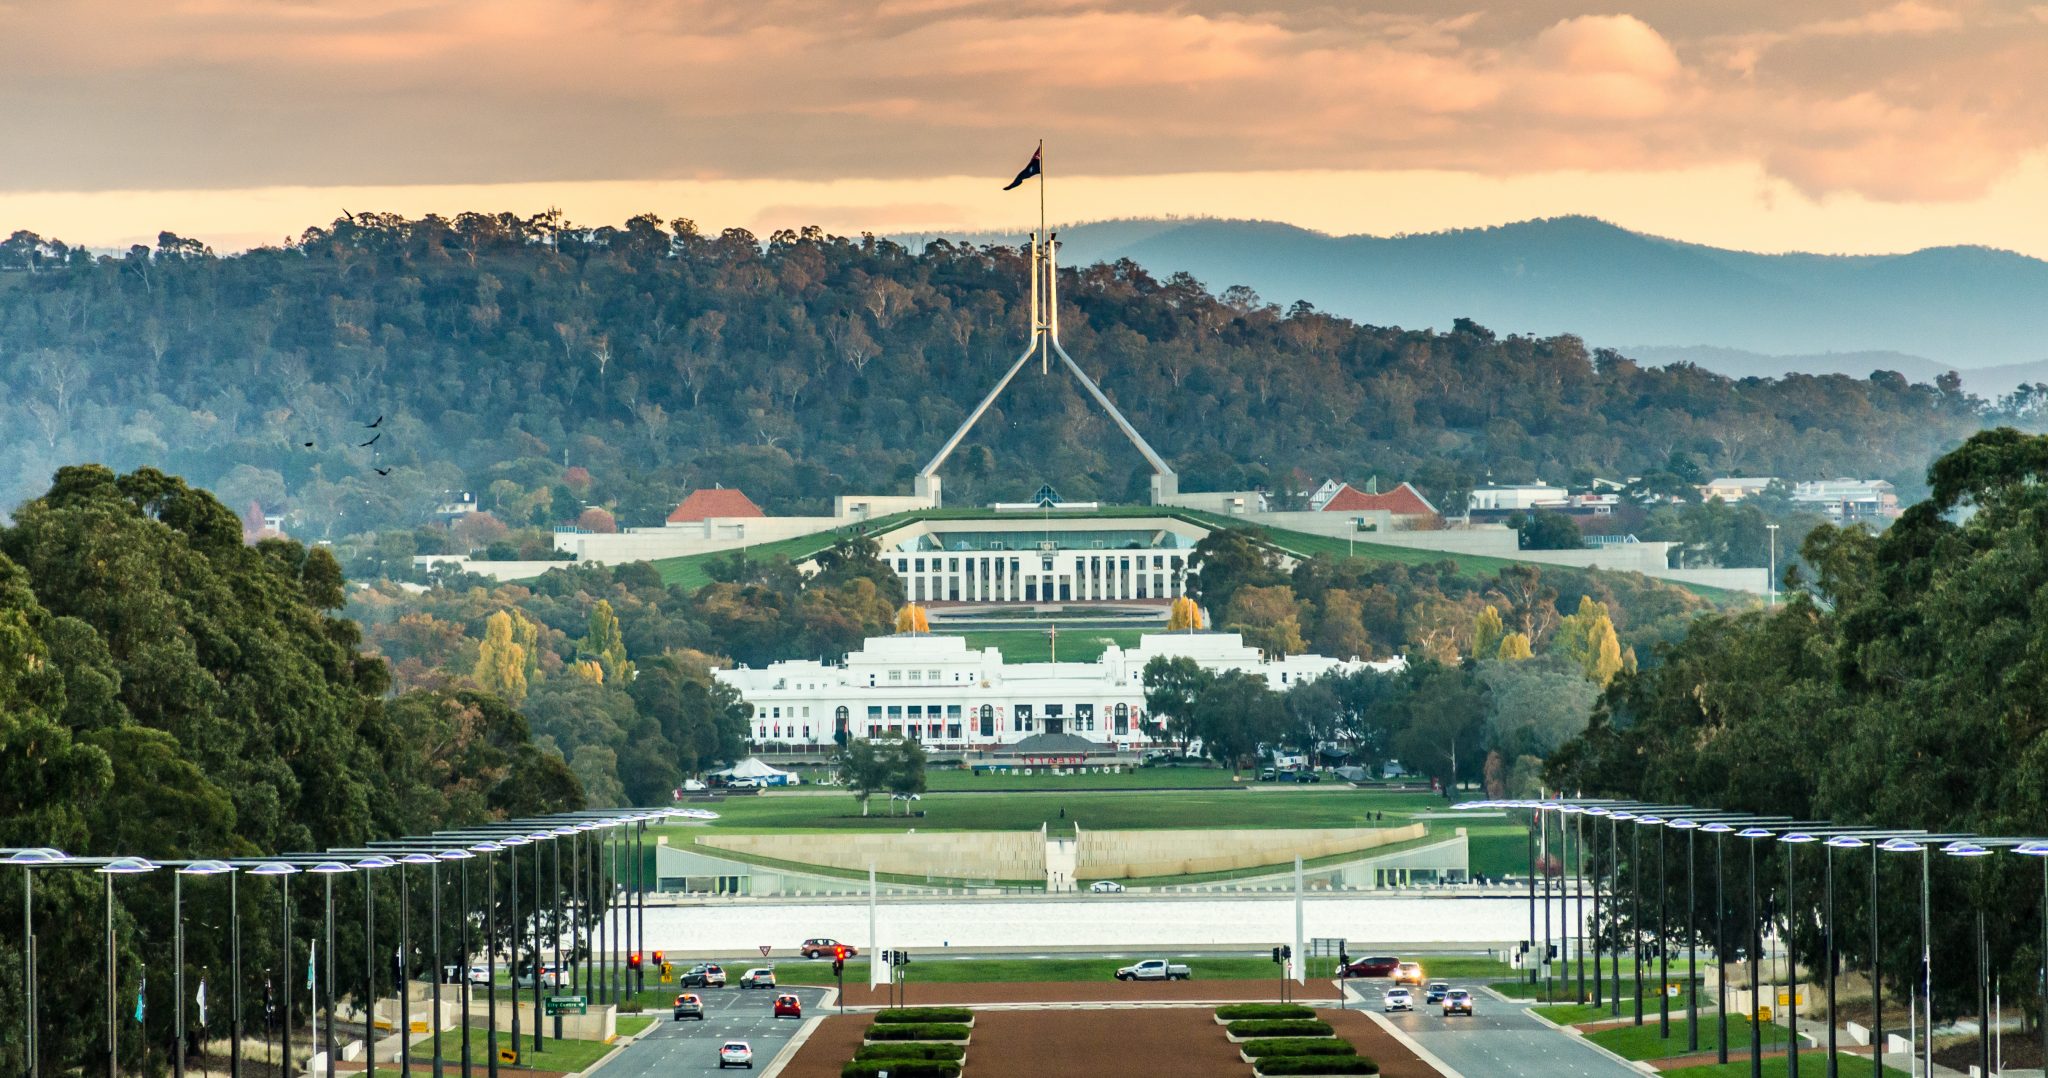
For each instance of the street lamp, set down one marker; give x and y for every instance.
(1792, 839)
(327, 870)
(1903, 845)
(30, 859)
(2039, 850)
(1771, 582)
(1599, 974)
(1720, 831)
(459, 855)
(190, 868)
(1756, 943)
(1663, 952)
(368, 865)
(487, 848)
(120, 866)
(284, 873)
(416, 857)
(1969, 849)
(1692, 950)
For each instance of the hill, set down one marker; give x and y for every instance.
(1959, 307)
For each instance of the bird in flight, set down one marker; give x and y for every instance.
(374, 426)
(308, 445)
(371, 442)
(381, 471)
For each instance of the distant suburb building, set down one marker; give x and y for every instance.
(950, 697)
(1733, 489)
(1847, 499)
(1407, 505)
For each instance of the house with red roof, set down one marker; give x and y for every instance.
(1407, 504)
(716, 503)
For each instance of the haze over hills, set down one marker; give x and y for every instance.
(1980, 311)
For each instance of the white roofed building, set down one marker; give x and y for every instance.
(950, 697)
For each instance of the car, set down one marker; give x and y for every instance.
(1303, 776)
(1408, 973)
(1435, 992)
(1398, 999)
(825, 948)
(788, 1006)
(1269, 775)
(480, 975)
(743, 784)
(1106, 887)
(1153, 969)
(1457, 1001)
(1373, 967)
(549, 978)
(704, 975)
(760, 977)
(689, 1005)
(735, 1054)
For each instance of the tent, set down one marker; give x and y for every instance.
(753, 768)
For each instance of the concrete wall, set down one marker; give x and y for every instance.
(1340, 525)
(496, 570)
(1134, 854)
(1229, 503)
(1754, 581)
(648, 544)
(971, 855)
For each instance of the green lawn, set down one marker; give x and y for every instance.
(990, 970)
(1077, 645)
(1565, 990)
(1642, 1042)
(1571, 1014)
(1098, 809)
(1498, 848)
(629, 1024)
(1775, 1066)
(1150, 778)
(555, 1055)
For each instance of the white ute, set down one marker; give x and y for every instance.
(1153, 969)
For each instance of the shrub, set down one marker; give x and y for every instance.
(906, 1068)
(1283, 1028)
(928, 1031)
(911, 1050)
(1316, 1065)
(1238, 1012)
(1297, 1046)
(900, 1015)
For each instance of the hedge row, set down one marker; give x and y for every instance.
(1274, 1047)
(927, 1031)
(1281, 1028)
(914, 1068)
(913, 1015)
(1314, 1065)
(1239, 1012)
(912, 1050)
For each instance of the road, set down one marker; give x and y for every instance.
(686, 1049)
(1500, 1041)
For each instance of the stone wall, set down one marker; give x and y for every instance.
(963, 855)
(1136, 854)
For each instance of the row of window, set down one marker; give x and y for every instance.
(952, 565)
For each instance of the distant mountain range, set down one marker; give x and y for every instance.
(1976, 310)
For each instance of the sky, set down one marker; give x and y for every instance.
(1822, 125)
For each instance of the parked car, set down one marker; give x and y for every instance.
(1153, 969)
(735, 1054)
(703, 975)
(1269, 775)
(1435, 992)
(1408, 973)
(1398, 999)
(788, 1006)
(1303, 776)
(760, 977)
(480, 975)
(1106, 887)
(549, 978)
(823, 948)
(1457, 1001)
(743, 784)
(689, 1005)
(1383, 966)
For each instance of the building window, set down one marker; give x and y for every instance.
(917, 675)
(807, 733)
(916, 712)
(953, 712)
(953, 731)
(1123, 718)
(895, 715)
(988, 720)
(935, 675)
(839, 721)
(895, 675)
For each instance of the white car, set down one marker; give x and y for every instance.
(759, 977)
(480, 975)
(735, 1054)
(1106, 887)
(1398, 999)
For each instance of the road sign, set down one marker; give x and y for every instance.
(568, 1005)
(508, 1055)
(765, 948)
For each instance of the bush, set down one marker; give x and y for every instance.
(901, 1015)
(908, 1068)
(928, 1031)
(1317, 1065)
(1237, 1012)
(1297, 1046)
(1285, 1028)
(911, 1050)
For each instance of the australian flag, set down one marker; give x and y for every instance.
(1030, 170)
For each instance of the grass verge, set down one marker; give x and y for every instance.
(1643, 1042)
(1776, 1067)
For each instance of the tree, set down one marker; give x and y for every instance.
(605, 645)
(1545, 530)
(1269, 618)
(1172, 688)
(1185, 615)
(1340, 626)
(1487, 632)
(1236, 715)
(888, 762)
(1224, 561)
(1514, 647)
(911, 619)
(501, 661)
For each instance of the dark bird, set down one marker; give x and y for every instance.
(381, 471)
(374, 426)
(308, 445)
(371, 442)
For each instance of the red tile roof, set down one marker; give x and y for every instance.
(1402, 501)
(702, 505)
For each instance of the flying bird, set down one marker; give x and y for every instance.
(308, 445)
(381, 471)
(371, 442)
(374, 426)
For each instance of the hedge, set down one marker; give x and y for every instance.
(903, 1015)
(907, 1068)
(1238, 1012)
(912, 1050)
(1273, 1047)
(1312, 1065)
(1284, 1028)
(925, 1031)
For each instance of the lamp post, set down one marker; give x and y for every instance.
(1692, 951)
(190, 868)
(120, 866)
(487, 848)
(1597, 812)
(512, 844)
(1792, 839)
(1720, 830)
(284, 873)
(29, 860)
(1772, 582)
(1968, 849)
(328, 870)
(460, 856)
(1578, 934)
(367, 866)
(405, 953)
(1839, 842)
(2039, 850)
(1756, 943)
(1903, 845)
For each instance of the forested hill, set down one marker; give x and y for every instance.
(511, 356)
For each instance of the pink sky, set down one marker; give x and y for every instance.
(1821, 124)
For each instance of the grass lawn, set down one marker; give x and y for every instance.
(940, 780)
(993, 970)
(1077, 645)
(1099, 810)
(1565, 990)
(1498, 848)
(1775, 1066)
(629, 1024)
(555, 1055)
(1642, 1042)
(1571, 1014)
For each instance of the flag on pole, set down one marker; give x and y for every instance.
(202, 1001)
(312, 955)
(140, 989)
(1030, 170)
(269, 1005)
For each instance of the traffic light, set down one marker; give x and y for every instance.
(1276, 955)
(658, 959)
(838, 967)
(633, 960)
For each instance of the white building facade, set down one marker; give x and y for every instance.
(950, 697)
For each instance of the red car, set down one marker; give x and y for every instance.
(788, 1006)
(1372, 967)
(825, 948)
